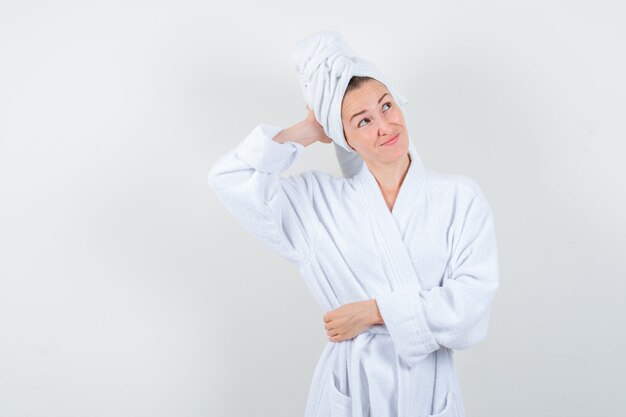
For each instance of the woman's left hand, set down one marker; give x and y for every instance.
(351, 319)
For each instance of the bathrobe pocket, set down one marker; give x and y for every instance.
(449, 410)
(340, 403)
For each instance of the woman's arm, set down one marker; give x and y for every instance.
(455, 314)
(277, 210)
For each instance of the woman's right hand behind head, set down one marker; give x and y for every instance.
(306, 132)
(316, 127)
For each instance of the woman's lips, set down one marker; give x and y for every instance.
(392, 140)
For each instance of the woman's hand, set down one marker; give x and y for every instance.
(350, 319)
(316, 126)
(306, 132)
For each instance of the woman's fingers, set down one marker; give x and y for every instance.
(310, 115)
(311, 118)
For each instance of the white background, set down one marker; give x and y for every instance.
(126, 289)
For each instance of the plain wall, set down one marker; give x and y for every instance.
(126, 289)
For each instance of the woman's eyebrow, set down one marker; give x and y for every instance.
(363, 111)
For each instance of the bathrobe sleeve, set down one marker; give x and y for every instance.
(456, 313)
(248, 182)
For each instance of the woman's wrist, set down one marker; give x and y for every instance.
(293, 134)
(376, 318)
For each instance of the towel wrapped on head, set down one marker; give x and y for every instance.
(325, 65)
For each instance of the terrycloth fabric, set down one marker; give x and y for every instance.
(325, 65)
(431, 264)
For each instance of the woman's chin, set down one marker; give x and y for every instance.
(396, 152)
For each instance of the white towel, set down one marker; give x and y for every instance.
(325, 64)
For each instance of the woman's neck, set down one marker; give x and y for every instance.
(390, 177)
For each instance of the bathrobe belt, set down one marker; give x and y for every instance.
(405, 384)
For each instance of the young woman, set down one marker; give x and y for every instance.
(402, 259)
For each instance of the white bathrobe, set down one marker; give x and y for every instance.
(431, 264)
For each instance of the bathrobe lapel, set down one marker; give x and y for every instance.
(392, 225)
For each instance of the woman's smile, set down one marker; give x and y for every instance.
(391, 141)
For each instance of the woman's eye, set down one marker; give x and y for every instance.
(386, 104)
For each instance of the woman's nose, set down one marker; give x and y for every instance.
(384, 127)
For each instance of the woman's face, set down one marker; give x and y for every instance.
(370, 118)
